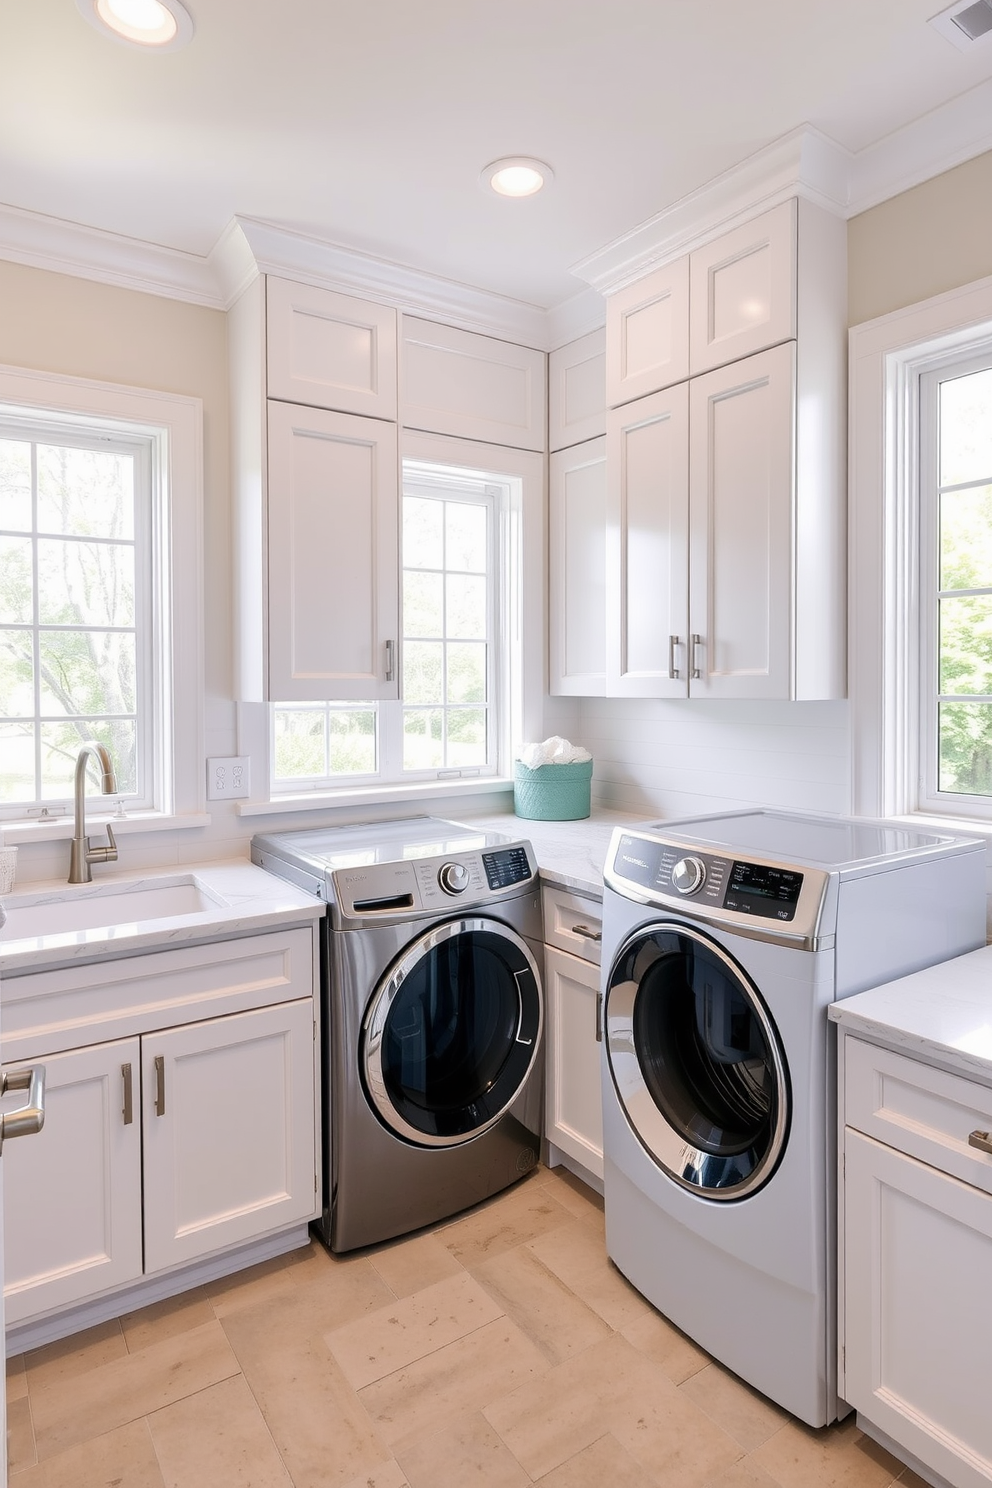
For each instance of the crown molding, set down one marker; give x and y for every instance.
(62, 247)
(574, 317)
(942, 139)
(276, 250)
(803, 163)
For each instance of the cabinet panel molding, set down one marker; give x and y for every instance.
(333, 582)
(647, 334)
(647, 545)
(474, 387)
(742, 290)
(577, 570)
(330, 350)
(577, 391)
(72, 1193)
(229, 1133)
(741, 528)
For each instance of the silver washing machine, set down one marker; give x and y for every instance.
(433, 1017)
(724, 941)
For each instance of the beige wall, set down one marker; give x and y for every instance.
(921, 243)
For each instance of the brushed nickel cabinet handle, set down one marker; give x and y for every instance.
(599, 1017)
(128, 1109)
(28, 1119)
(697, 641)
(587, 932)
(390, 666)
(673, 670)
(981, 1140)
(160, 1085)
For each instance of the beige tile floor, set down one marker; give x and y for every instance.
(500, 1349)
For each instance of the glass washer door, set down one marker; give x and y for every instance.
(696, 1062)
(452, 1033)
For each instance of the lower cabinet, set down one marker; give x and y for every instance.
(161, 1149)
(574, 1103)
(916, 1252)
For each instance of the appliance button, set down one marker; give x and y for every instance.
(687, 875)
(453, 878)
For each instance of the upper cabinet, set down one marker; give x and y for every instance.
(474, 387)
(577, 391)
(320, 386)
(647, 334)
(577, 569)
(742, 290)
(725, 513)
(330, 350)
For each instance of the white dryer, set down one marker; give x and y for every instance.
(725, 939)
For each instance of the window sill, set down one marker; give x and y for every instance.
(373, 795)
(57, 828)
(956, 826)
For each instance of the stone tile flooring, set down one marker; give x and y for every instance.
(500, 1349)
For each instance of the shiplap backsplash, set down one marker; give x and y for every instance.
(684, 758)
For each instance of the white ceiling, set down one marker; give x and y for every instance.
(367, 124)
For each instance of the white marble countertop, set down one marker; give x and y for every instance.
(941, 1015)
(569, 853)
(245, 899)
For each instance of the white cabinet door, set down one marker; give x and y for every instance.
(229, 1131)
(918, 1308)
(742, 290)
(333, 587)
(742, 483)
(577, 391)
(647, 334)
(474, 387)
(574, 1099)
(330, 350)
(72, 1194)
(647, 554)
(577, 570)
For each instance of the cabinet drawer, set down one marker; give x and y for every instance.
(573, 923)
(917, 1109)
(73, 1006)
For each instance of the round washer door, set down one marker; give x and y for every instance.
(451, 1035)
(696, 1062)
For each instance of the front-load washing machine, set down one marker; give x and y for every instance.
(432, 1017)
(724, 940)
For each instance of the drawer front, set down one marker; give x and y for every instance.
(919, 1110)
(78, 1005)
(573, 923)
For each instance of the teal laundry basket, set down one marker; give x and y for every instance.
(552, 792)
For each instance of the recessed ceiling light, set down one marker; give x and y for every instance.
(517, 175)
(164, 25)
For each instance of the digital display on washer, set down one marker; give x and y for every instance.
(759, 890)
(506, 867)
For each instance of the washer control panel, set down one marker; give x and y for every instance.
(506, 866)
(678, 873)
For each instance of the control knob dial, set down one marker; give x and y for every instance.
(453, 878)
(688, 875)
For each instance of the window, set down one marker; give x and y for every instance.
(75, 609)
(956, 586)
(100, 633)
(459, 559)
(920, 542)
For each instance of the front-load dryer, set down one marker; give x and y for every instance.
(433, 1017)
(724, 941)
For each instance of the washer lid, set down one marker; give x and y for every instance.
(833, 843)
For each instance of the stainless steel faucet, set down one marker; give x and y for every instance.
(82, 854)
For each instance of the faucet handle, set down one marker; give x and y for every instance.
(103, 854)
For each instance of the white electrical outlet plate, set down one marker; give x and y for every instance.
(229, 779)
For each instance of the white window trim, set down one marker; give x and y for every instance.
(887, 356)
(526, 686)
(176, 424)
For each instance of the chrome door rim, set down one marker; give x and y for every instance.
(377, 1016)
(668, 1147)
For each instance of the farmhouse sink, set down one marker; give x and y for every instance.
(105, 907)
